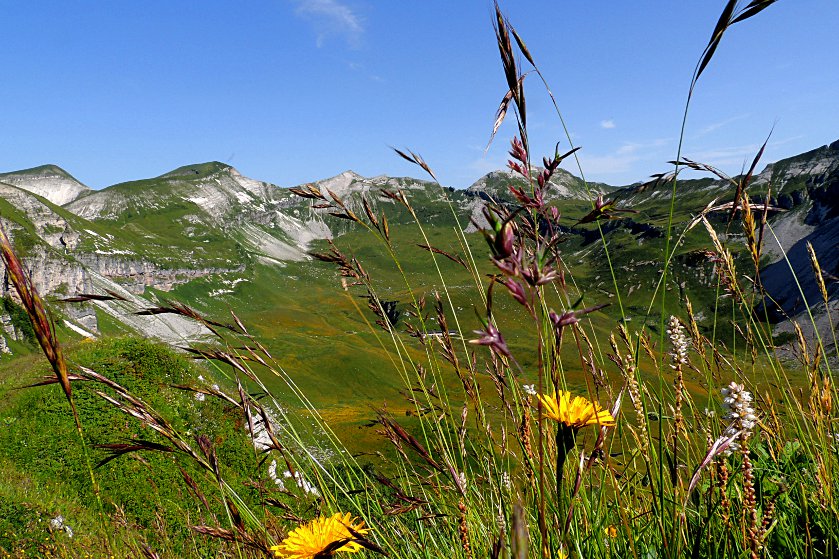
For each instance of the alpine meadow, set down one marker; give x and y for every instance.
(203, 364)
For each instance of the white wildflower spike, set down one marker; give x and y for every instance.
(461, 478)
(506, 482)
(737, 401)
(500, 519)
(680, 342)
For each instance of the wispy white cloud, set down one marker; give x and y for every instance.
(607, 124)
(741, 155)
(483, 165)
(624, 163)
(717, 125)
(331, 18)
(609, 164)
(630, 148)
(623, 160)
(360, 68)
(726, 155)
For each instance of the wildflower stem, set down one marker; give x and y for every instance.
(565, 441)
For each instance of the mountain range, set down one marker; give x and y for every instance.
(210, 227)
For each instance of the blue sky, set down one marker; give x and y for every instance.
(291, 91)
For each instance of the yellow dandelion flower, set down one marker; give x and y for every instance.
(575, 412)
(313, 539)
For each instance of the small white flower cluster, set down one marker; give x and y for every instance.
(298, 478)
(529, 389)
(738, 403)
(680, 342)
(200, 396)
(302, 483)
(57, 523)
(501, 520)
(506, 482)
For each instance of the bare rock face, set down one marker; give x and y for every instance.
(8, 331)
(790, 281)
(83, 316)
(136, 275)
(58, 275)
(8, 328)
(59, 271)
(51, 274)
(344, 184)
(48, 181)
(49, 225)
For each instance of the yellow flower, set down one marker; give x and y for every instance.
(575, 412)
(310, 540)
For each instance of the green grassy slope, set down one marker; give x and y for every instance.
(143, 495)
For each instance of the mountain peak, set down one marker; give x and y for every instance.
(342, 183)
(563, 184)
(199, 170)
(48, 181)
(47, 170)
(350, 175)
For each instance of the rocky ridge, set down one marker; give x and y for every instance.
(208, 220)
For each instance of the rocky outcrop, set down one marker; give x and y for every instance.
(8, 332)
(51, 273)
(135, 275)
(48, 225)
(59, 272)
